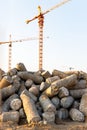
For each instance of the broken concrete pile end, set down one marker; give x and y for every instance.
(42, 96)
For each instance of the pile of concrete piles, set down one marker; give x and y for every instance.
(42, 96)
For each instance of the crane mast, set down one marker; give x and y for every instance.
(40, 18)
(40, 22)
(10, 47)
(9, 53)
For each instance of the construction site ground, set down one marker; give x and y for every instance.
(61, 125)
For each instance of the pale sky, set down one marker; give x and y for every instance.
(66, 27)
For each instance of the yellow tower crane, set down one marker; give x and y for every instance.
(40, 18)
(10, 47)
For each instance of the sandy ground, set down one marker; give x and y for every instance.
(65, 125)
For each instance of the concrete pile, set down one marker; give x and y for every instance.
(41, 97)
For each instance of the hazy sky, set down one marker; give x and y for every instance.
(66, 27)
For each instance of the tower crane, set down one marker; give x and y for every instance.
(10, 47)
(40, 18)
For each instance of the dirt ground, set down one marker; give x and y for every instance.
(65, 125)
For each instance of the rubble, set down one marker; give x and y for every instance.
(76, 115)
(83, 104)
(10, 116)
(67, 82)
(0, 102)
(15, 104)
(6, 81)
(46, 104)
(62, 114)
(41, 96)
(29, 108)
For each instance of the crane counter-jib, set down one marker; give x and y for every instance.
(47, 11)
